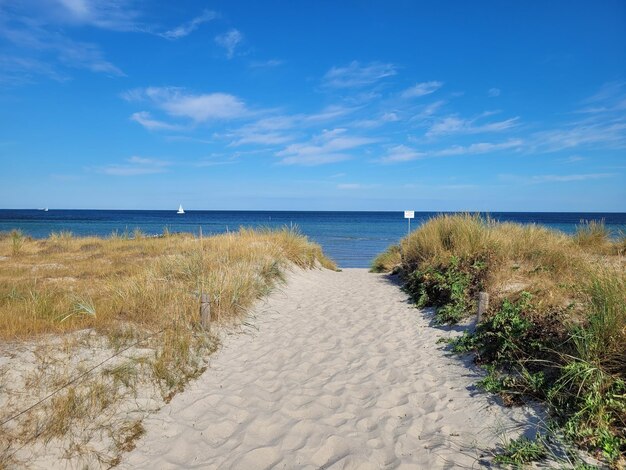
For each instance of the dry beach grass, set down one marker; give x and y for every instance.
(102, 330)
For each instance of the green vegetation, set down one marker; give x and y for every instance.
(521, 451)
(556, 326)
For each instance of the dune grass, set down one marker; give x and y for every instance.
(556, 326)
(128, 290)
(65, 283)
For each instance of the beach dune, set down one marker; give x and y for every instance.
(332, 370)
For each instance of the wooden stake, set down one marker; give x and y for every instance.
(483, 304)
(205, 311)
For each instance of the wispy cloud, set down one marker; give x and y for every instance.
(257, 64)
(401, 153)
(356, 75)
(280, 129)
(493, 92)
(136, 166)
(229, 41)
(568, 178)
(179, 103)
(189, 27)
(479, 148)
(455, 125)
(20, 70)
(328, 147)
(611, 97)
(421, 89)
(145, 119)
(268, 138)
(86, 56)
(51, 49)
(607, 133)
(384, 118)
(118, 15)
(540, 179)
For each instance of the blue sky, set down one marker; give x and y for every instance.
(313, 105)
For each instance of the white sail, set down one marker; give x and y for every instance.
(180, 209)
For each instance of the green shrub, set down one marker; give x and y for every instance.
(451, 288)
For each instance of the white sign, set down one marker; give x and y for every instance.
(409, 214)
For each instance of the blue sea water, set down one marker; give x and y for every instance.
(352, 239)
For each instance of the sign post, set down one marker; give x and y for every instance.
(409, 215)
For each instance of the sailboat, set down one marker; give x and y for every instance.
(180, 209)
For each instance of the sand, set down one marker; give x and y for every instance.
(334, 370)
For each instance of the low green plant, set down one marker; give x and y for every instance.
(518, 452)
(450, 288)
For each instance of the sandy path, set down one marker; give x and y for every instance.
(339, 372)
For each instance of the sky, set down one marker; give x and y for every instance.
(313, 105)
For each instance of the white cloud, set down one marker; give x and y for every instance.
(328, 147)
(421, 89)
(401, 153)
(266, 63)
(607, 133)
(20, 70)
(229, 41)
(540, 179)
(136, 166)
(280, 129)
(145, 119)
(189, 27)
(118, 15)
(456, 125)
(611, 97)
(569, 178)
(383, 119)
(493, 92)
(197, 107)
(86, 56)
(56, 48)
(270, 138)
(356, 75)
(327, 114)
(478, 148)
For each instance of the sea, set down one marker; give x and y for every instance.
(352, 239)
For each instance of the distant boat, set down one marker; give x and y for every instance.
(180, 209)
(45, 209)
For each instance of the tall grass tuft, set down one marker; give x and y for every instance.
(592, 235)
(388, 261)
(17, 241)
